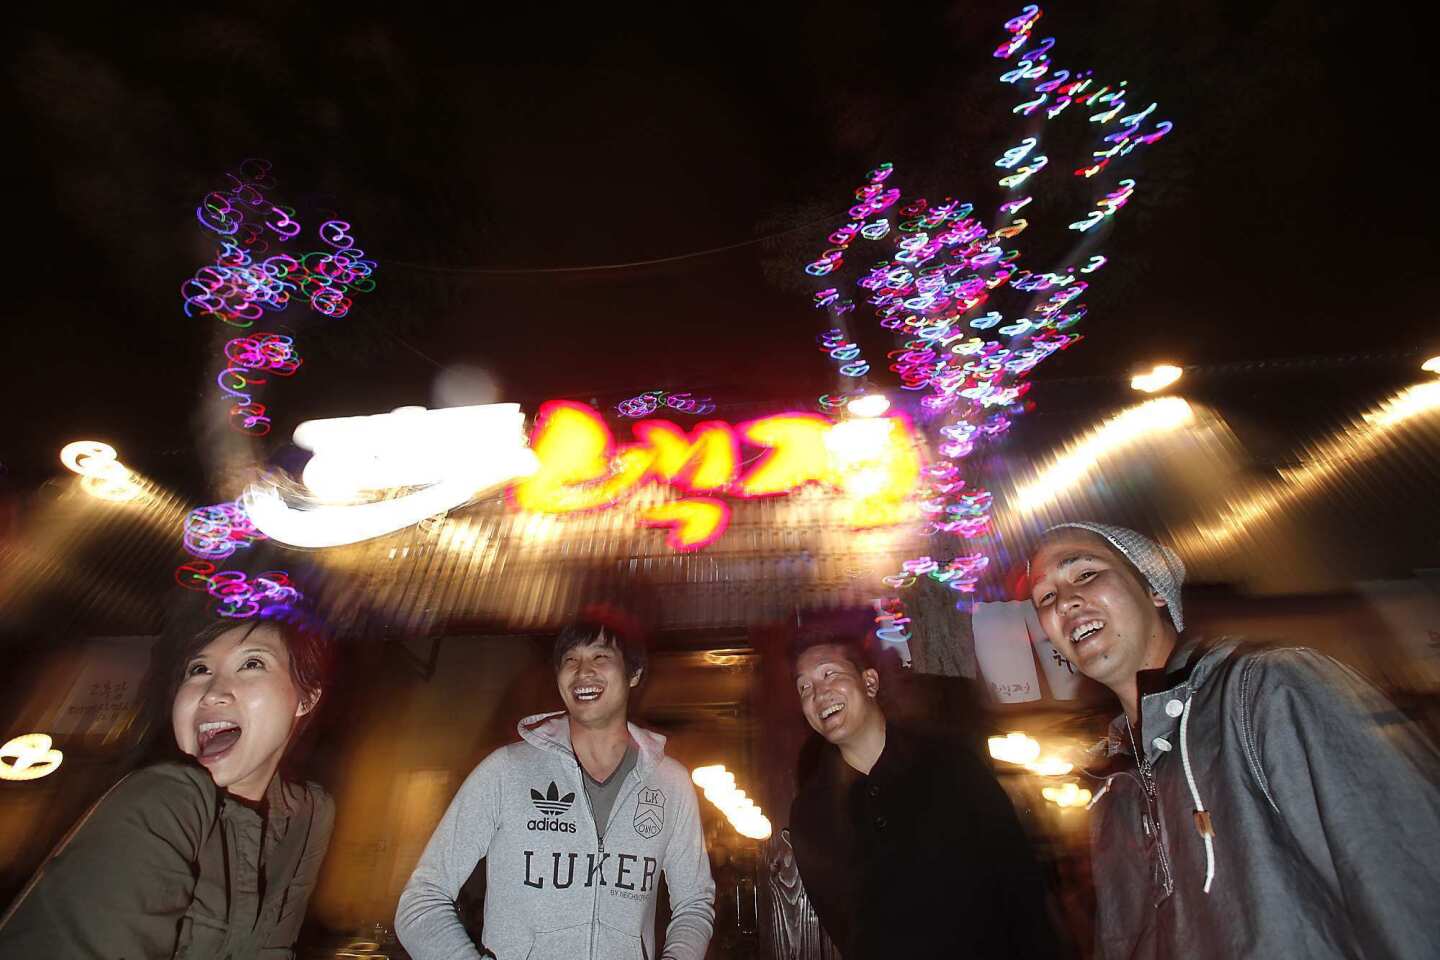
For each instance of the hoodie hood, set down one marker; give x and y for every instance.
(551, 731)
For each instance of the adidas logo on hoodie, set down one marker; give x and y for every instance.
(552, 806)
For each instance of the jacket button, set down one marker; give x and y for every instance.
(874, 790)
(1161, 744)
(1174, 708)
(880, 823)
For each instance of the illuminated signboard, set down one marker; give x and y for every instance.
(873, 461)
(375, 475)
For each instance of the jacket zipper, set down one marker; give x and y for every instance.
(1151, 792)
(600, 844)
(600, 840)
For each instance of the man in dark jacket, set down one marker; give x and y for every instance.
(906, 844)
(1280, 806)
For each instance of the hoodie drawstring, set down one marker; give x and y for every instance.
(1202, 817)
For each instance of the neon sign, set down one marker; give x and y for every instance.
(436, 460)
(581, 467)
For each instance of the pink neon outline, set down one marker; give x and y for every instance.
(672, 537)
(542, 417)
(683, 480)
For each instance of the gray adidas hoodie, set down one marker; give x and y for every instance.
(555, 890)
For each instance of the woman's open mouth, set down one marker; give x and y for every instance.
(215, 738)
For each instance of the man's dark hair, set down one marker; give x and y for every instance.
(612, 628)
(849, 630)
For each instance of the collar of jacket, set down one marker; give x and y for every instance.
(896, 756)
(551, 731)
(275, 812)
(1163, 696)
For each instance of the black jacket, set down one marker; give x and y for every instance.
(924, 857)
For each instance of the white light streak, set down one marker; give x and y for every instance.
(1081, 456)
(718, 785)
(1159, 377)
(1015, 748)
(870, 405)
(1067, 796)
(451, 455)
(104, 476)
(29, 757)
(1337, 452)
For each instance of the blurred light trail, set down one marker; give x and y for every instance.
(718, 785)
(1082, 456)
(1066, 797)
(1050, 767)
(1016, 748)
(1342, 449)
(1159, 377)
(29, 757)
(451, 454)
(868, 405)
(104, 475)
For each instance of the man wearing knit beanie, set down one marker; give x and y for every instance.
(1252, 801)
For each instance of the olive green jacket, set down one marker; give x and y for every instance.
(167, 865)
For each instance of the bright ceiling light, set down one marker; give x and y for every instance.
(1067, 796)
(1159, 377)
(1431, 366)
(1049, 767)
(1015, 748)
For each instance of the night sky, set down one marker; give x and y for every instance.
(1286, 216)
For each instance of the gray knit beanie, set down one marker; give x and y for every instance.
(1159, 565)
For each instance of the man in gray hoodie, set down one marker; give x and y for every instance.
(1254, 801)
(575, 823)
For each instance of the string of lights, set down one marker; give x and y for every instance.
(260, 268)
(939, 265)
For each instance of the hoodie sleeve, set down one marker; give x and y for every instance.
(426, 921)
(692, 889)
(1359, 788)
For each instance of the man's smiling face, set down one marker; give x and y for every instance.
(592, 682)
(836, 696)
(1095, 607)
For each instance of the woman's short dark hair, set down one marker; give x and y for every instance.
(610, 627)
(309, 647)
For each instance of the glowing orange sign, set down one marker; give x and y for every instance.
(582, 468)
